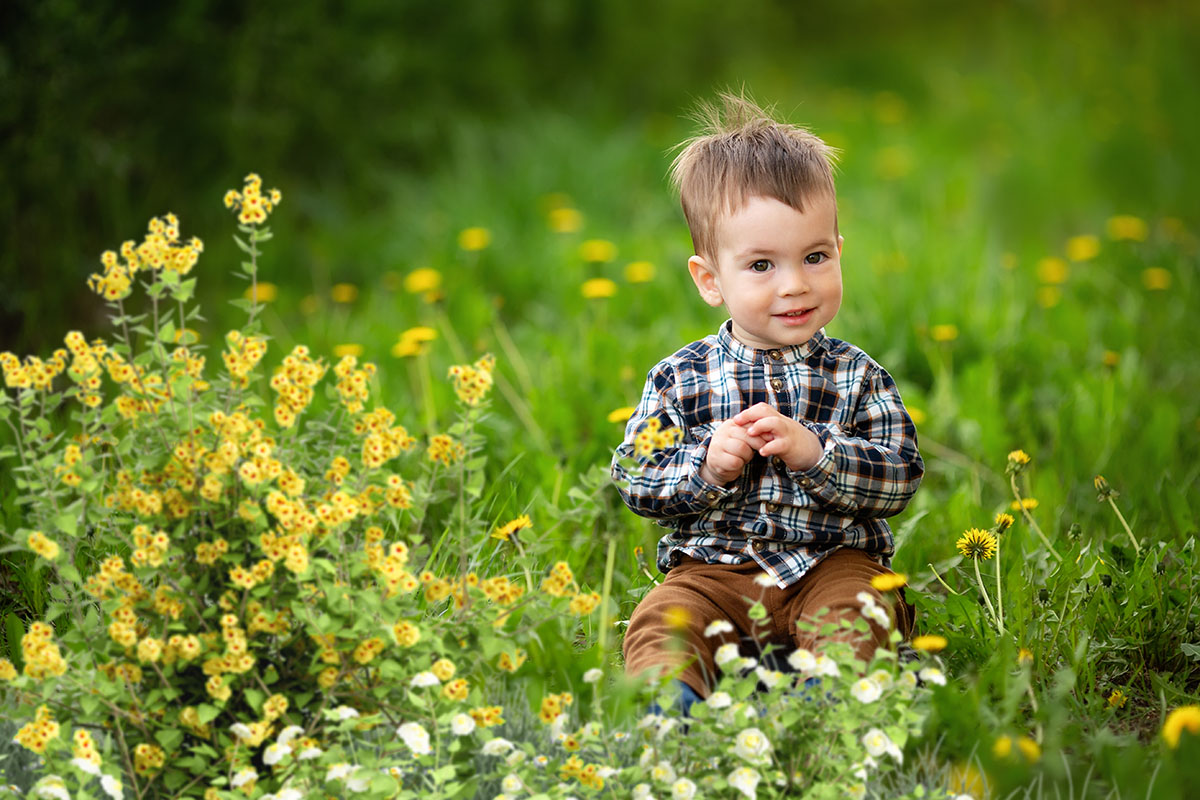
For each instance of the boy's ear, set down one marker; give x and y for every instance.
(705, 277)
(841, 240)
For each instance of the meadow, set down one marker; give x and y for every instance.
(1021, 254)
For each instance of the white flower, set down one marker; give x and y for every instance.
(963, 797)
(359, 783)
(683, 789)
(663, 772)
(646, 756)
(745, 780)
(345, 712)
(592, 675)
(243, 777)
(717, 627)
(882, 677)
(241, 730)
(54, 788)
(719, 700)
(289, 794)
(879, 615)
(496, 747)
(514, 758)
(878, 743)
(665, 727)
(87, 765)
(462, 724)
(866, 598)
(275, 753)
(765, 580)
(111, 787)
(726, 653)
(908, 680)
(857, 792)
(801, 660)
(752, 745)
(738, 710)
(287, 734)
(769, 677)
(339, 771)
(607, 772)
(866, 690)
(558, 727)
(642, 792)
(511, 783)
(415, 737)
(932, 675)
(424, 679)
(309, 753)
(826, 667)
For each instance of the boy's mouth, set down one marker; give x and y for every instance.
(797, 317)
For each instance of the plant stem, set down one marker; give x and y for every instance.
(1030, 520)
(999, 598)
(983, 590)
(1137, 548)
(942, 582)
(609, 564)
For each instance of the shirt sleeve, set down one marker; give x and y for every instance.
(665, 483)
(873, 470)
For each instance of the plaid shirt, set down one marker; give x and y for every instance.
(786, 520)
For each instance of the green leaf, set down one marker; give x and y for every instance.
(245, 248)
(1192, 651)
(174, 778)
(67, 523)
(206, 713)
(184, 292)
(167, 332)
(170, 738)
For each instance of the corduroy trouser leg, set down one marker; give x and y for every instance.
(666, 631)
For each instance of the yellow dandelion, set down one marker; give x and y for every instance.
(1029, 748)
(1053, 270)
(1156, 279)
(597, 288)
(677, 618)
(343, 293)
(421, 280)
(929, 643)
(1002, 747)
(1125, 227)
(1048, 296)
(917, 416)
(597, 250)
(889, 581)
(1004, 521)
(565, 220)
(474, 239)
(343, 350)
(1111, 358)
(1018, 459)
(1181, 719)
(1024, 656)
(977, 544)
(621, 414)
(943, 333)
(1024, 504)
(1083, 248)
(639, 272)
(262, 292)
(505, 531)
(1117, 699)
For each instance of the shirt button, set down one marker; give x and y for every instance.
(772, 507)
(776, 383)
(776, 355)
(806, 482)
(778, 464)
(759, 545)
(711, 495)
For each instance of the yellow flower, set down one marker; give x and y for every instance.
(1003, 522)
(443, 668)
(1002, 747)
(1181, 719)
(44, 547)
(1029, 748)
(505, 531)
(1111, 358)
(1024, 656)
(472, 382)
(1018, 460)
(1125, 227)
(1156, 279)
(1026, 504)
(343, 293)
(511, 662)
(1052, 270)
(943, 333)
(597, 288)
(889, 581)
(917, 415)
(1048, 296)
(413, 342)
(261, 292)
(621, 414)
(343, 350)
(639, 271)
(474, 238)
(929, 642)
(597, 250)
(1083, 248)
(565, 220)
(677, 618)
(977, 544)
(7, 671)
(421, 280)
(1117, 699)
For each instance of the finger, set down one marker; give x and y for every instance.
(755, 412)
(743, 435)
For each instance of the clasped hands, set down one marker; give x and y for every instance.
(759, 429)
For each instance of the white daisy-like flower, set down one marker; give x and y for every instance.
(932, 675)
(683, 789)
(719, 700)
(745, 780)
(883, 678)
(289, 794)
(878, 743)
(511, 783)
(514, 758)
(54, 788)
(866, 598)
(287, 734)
(112, 787)
(274, 753)
(496, 747)
(339, 771)
(646, 756)
(726, 654)
(765, 580)
(462, 725)
(620, 736)
(416, 737)
(87, 765)
(664, 728)
(878, 615)
(309, 753)
(607, 772)
(856, 791)
(642, 792)
(650, 721)
(424, 679)
(752, 745)
(802, 660)
(243, 777)
(769, 677)
(241, 730)
(541, 761)
(717, 627)
(663, 772)
(346, 712)
(826, 667)
(592, 675)
(359, 783)
(558, 727)
(907, 680)
(866, 690)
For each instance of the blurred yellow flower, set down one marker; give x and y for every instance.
(621, 414)
(1117, 699)
(343, 293)
(677, 617)
(1053, 270)
(1083, 248)
(565, 220)
(1156, 279)
(1019, 458)
(966, 779)
(598, 288)
(420, 280)
(309, 304)
(1181, 719)
(1026, 504)
(918, 416)
(1049, 296)
(929, 642)
(413, 341)
(1002, 747)
(474, 238)
(261, 292)
(1125, 227)
(1111, 358)
(1024, 656)
(889, 581)
(343, 350)
(505, 531)
(597, 250)
(1029, 748)
(943, 333)
(639, 271)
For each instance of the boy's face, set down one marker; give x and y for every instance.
(777, 271)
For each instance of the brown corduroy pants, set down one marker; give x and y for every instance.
(666, 631)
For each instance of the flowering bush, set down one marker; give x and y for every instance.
(254, 596)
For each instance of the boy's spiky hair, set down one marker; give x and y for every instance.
(740, 152)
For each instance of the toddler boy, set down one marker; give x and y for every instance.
(791, 446)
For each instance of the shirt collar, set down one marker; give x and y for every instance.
(780, 355)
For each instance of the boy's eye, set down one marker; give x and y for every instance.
(815, 258)
(760, 266)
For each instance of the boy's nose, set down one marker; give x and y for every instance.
(793, 281)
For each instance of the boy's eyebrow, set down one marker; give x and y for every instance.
(770, 251)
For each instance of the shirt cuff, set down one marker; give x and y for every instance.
(707, 494)
(819, 480)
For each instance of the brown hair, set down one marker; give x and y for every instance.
(741, 152)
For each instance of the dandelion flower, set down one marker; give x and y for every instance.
(1003, 522)
(506, 531)
(343, 293)
(474, 239)
(1156, 279)
(943, 333)
(889, 581)
(422, 280)
(1117, 699)
(1184, 718)
(621, 414)
(598, 288)
(929, 642)
(977, 544)
(262, 292)
(597, 250)
(1126, 227)
(565, 220)
(1053, 271)
(1029, 748)
(639, 272)
(343, 350)
(1018, 458)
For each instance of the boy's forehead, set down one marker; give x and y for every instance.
(733, 203)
